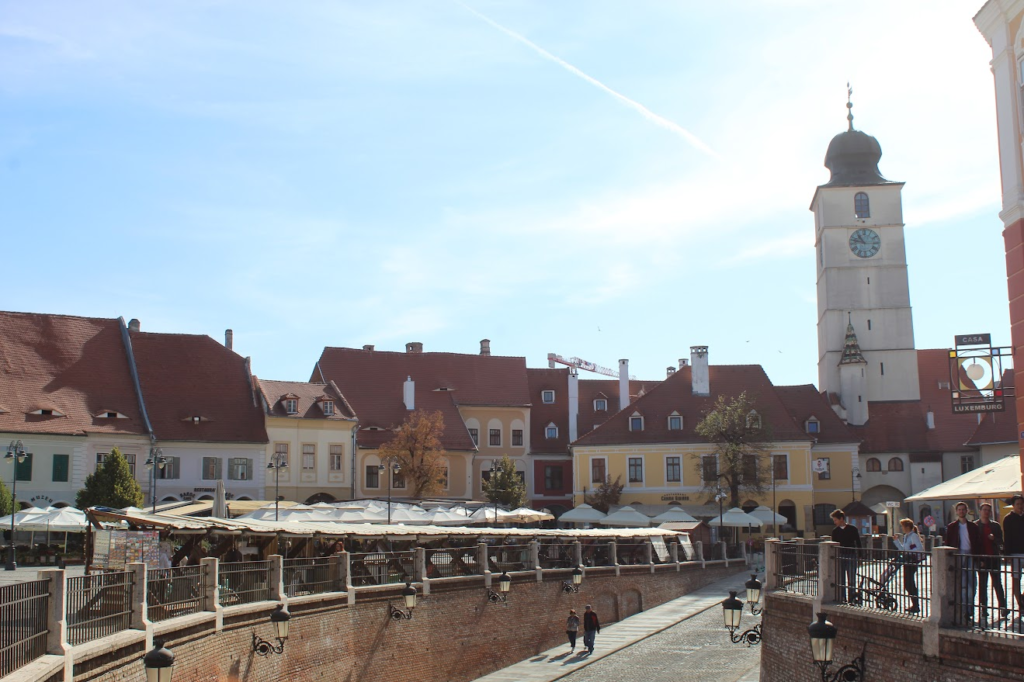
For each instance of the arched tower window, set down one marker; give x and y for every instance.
(861, 205)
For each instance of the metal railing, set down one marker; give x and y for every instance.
(796, 567)
(309, 576)
(983, 594)
(558, 555)
(23, 611)
(98, 605)
(382, 568)
(243, 582)
(631, 553)
(172, 592)
(449, 562)
(503, 558)
(734, 551)
(884, 579)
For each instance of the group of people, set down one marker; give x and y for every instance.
(981, 546)
(591, 628)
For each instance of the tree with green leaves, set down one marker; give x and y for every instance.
(742, 440)
(111, 485)
(416, 446)
(505, 486)
(605, 495)
(6, 500)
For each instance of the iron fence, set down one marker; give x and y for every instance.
(448, 562)
(173, 592)
(884, 579)
(558, 555)
(23, 618)
(734, 551)
(243, 582)
(983, 594)
(309, 576)
(596, 553)
(382, 568)
(631, 553)
(504, 558)
(796, 567)
(98, 605)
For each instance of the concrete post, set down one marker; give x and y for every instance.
(771, 565)
(56, 615)
(698, 553)
(613, 555)
(482, 567)
(673, 553)
(345, 576)
(827, 553)
(944, 581)
(535, 559)
(276, 577)
(210, 585)
(140, 615)
(649, 555)
(725, 552)
(420, 569)
(577, 553)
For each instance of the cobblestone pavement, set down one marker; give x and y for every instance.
(697, 649)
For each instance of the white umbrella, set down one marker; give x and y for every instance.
(297, 513)
(446, 517)
(582, 513)
(674, 515)
(64, 520)
(626, 516)
(766, 514)
(22, 516)
(409, 517)
(527, 515)
(736, 518)
(220, 502)
(1001, 479)
(486, 514)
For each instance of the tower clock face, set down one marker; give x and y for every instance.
(865, 243)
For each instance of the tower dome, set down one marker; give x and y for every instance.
(853, 156)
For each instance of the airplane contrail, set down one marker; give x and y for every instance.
(636, 106)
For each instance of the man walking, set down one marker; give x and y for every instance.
(991, 537)
(591, 626)
(849, 542)
(963, 535)
(1013, 537)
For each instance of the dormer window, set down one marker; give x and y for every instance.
(600, 405)
(547, 397)
(291, 405)
(753, 420)
(675, 422)
(47, 412)
(636, 422)
(551, 431)
(328, 407)
(813, 425)
(110, 414)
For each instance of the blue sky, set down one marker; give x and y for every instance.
(602, 179)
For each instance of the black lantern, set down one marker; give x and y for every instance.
(504, 585)
(754, 594)
(159, 663)
(823, 637)
(409, 594)
(279, 618)
(732, 610)
(577, 579)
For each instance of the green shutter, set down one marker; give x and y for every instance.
(60, 468)
(23, 470)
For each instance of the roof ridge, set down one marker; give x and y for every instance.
(61, 315)
(406, 353)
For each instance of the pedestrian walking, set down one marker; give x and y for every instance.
(912, 552)
(591, 628)
(1013, 538)
(990, 563)
(849, 542)
(572, 628)
(963, 535)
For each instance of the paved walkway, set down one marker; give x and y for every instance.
(556, 663)
(23, 573)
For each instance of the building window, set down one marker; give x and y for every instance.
(636, 469)
(600, 405)
(673, 469)
(598, 473)
(636, 423)
(966, 463)
(517, 437)
(23, 470)
(281, 453)
(475, 435)
(171, 470)
(675, 423)
(397, 479)
(372, 476)
(780, 470)
(309, 456)
(709, 467)
(861, 205)
(337, 453)
(873, 464)
(813, 425)
(750, 470)
(60, 468)
(895, 464)
(328, 406)
(827, 473)
(240, 469)
(291, 406)
(495, 437)
(822, 514)
(551, 431)
(552, 478)
(444, 478)
(547, 397)
(211, 468)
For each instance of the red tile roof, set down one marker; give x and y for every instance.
(307, 396)
(896, 426)
(804, 402)
(995, 428)
(373, 381)
(542, 414)
(183, 375)
(675, 394)
(608, 389)
(74, 365)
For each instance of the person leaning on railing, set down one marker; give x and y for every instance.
(963, 535)
(990, 563)
(1013, 537)
(912, 552)
(849, 542)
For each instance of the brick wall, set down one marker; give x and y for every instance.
(892, 647)
(455, 633)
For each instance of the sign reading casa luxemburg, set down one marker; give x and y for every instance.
(976, 375)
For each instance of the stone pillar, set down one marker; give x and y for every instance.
(673, 553)
(771, 564)
(345, 576)
(535, 559)
(577, 553)
(56, 613)
(613, 558)
(140, 615)
(210, 585)
(698, 553)
(420, 569)
(276, 577)
(649, 555)
(944, 582)
(725, 552)
(827, 552)
(482, 567)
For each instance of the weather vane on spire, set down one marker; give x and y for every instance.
(849, 104)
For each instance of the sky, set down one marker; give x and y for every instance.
(591, 178)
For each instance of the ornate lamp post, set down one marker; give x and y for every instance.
(754, 594)
(823, 636)
(395, 469)
(577, 579)
(278, 461)
(279, 618)
(409, 594)
(501, 596)
(159, 663)
(732, 609)
(156, 461)
(16, 454)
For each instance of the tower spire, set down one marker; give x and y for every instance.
(851, 348)
(849, 105)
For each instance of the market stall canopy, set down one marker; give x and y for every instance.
(297, 513)
(1001, 479)
(735, 518)
(626, 516)
(674, 515)
(63, 520)
(582, 513)
(23, 516)
(487, 514)
(527, 515)
(446, 517)
(766, 516)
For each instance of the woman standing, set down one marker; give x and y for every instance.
(913, 551)
(572, 627)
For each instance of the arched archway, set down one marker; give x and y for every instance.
(749, 506)
(60, 505)
(880, 494)
(787, 508)
(321, 497)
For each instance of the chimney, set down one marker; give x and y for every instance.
(414, 347)
(670, 370)
(134, 325)
(485, 346)
(683, 362)
(368, 346)
(409, 393)
(574, 403)
(929, 419)
(699, 373)
(623, 384)
(229, 339)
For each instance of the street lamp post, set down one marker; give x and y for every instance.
(277, 462)
(720, 496)
(395, 468)
(156, 461)
(15, 452)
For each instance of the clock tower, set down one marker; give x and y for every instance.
(863, 287)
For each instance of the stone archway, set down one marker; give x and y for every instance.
(787, 508)
(321, 497)
(880, 494)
